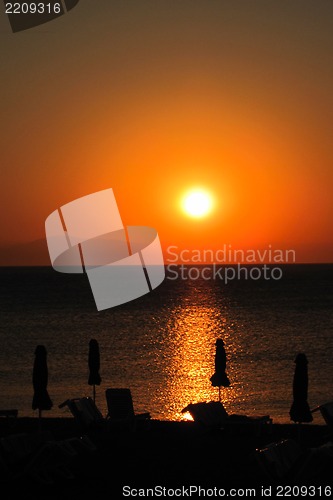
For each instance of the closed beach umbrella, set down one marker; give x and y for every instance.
(219, 378)
(300, 411)
(41, 399)
(94, 365)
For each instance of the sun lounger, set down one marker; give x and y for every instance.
(85, 411)
(54, 459)
(326, 411)
(5, 473)
(37, 456)
(207, 414)
(51, 460)
(17, 447)
(121, 409)
(8, 413)
(286, 461)
(278, 459)
(213, 414)
(80, 444)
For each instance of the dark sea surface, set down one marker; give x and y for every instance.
(162, 345)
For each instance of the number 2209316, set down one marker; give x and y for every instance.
(302, 491)
(33, 8)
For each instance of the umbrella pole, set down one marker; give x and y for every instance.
(94, 392)
(219, 394)
(299, 432)
(39, 419)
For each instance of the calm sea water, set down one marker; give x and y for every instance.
(162, 345)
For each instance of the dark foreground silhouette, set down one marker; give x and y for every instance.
(171, 454)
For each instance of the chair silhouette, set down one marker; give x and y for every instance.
(278, 460)
(8, 413)
(37, 456)
(326, 411)
(85, 412)
(121, 409)
(5, 472)
(285, 461)
(213, 414)
(210, 414)
(17, 447)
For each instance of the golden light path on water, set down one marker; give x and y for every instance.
(193, 330)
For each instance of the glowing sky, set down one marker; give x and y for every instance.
(154, 97)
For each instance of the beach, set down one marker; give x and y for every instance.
(170, 455)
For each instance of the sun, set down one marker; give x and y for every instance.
(197, 203)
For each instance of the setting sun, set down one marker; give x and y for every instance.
(197, 203)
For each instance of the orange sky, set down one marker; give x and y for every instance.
(154, 97)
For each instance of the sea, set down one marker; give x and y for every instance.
(162, 344)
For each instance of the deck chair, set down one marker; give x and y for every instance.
(121, 409)
(213, 414)
(80, 445)
(51, 461)
(37, 456)
(54, 459)
(210, 414)
(286, 461)
(85, 412)
(10, 416)
(18, 447)
(5, 472)
(326, 411)
(276, 460)
(8, 413)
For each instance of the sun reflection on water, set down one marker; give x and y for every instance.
(190, 349)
